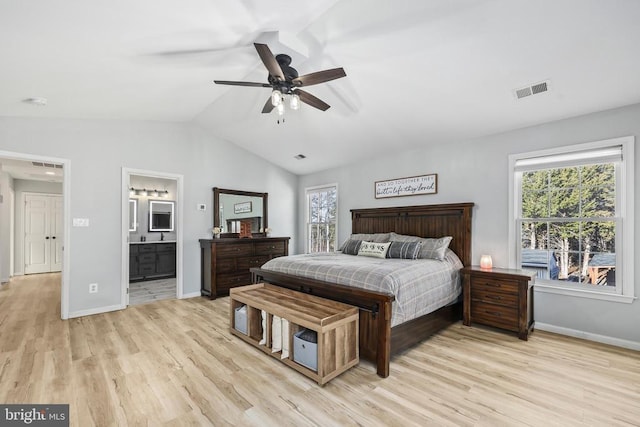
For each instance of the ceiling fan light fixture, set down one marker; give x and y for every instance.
(294, 102)
(276, 98)
(280, 109)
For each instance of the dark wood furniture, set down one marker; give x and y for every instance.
(502, 298)
(225, 262)
(378, 341)
(151, 261)
(336, 325)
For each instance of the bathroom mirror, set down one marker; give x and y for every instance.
(161, 215)
(133, 214)
(232, 207)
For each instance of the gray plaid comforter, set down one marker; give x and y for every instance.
(420, 286)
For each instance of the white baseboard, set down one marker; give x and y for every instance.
(97, 310)
(618, 342)
(191, 295)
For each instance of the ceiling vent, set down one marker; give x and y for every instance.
(534, 89)
(300, 156)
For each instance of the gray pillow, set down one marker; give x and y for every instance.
(431, 248)
(351, 247)
(374, 237)
(404, 250)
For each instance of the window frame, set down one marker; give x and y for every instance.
(307, 222)
(625, 286)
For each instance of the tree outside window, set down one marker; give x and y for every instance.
(321, 221)
(568, 214)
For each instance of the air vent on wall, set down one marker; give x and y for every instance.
(534, 89)
(46, 165)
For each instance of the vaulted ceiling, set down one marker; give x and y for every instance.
(418, 72)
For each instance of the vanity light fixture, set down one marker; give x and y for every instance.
(151, 193)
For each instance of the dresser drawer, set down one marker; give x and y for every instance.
(226, 281)
(486, 284)
(505, 299)
(226, 265)
(226, 251)
(251, 262)
(495, 315)
(270, 248)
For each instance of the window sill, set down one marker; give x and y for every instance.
(582, 293)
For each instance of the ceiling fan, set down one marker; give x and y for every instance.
(284, 80)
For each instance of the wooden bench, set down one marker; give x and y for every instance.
(335, 323)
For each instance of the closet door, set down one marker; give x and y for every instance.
(43, 233)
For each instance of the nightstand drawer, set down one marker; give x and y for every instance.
(505, 299)
(486, 284)
(495, 315)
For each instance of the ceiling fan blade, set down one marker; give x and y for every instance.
(307, 98)
(319, 77)
(269, 60)
(252, 84)
(268, 106)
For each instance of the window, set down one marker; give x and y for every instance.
(570, 207)
(322, 207)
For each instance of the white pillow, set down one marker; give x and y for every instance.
(373, 249)
(285, 339)
(276, 334)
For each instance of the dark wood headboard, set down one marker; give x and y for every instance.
(424, 221)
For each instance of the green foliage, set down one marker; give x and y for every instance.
(564, 205)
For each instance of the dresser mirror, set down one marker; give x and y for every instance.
(161, 215)
(232, 208)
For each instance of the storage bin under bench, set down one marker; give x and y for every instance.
(335, 325)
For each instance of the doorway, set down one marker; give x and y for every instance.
(61, 255)
(152, 230)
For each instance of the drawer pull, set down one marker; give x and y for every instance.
(494, 313)
(494, 297)
(495, 285)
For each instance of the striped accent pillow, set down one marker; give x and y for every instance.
(404, 250)
(351, 247)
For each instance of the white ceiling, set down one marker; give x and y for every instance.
(419, 72)
(33, 171)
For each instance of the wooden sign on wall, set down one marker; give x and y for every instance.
(410, 186)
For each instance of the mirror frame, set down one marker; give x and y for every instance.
(173, 216)
(216, 208)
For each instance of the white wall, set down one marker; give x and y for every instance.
(5, 225)
(98, 150)
(477, 171)
(22, 186)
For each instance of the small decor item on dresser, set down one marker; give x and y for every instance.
(216, 232)
(267, 231)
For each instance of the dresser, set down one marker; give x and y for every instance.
(498, 297)
(150, 261)
(225, 262)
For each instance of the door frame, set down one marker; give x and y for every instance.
(66, 215)
(179, 212)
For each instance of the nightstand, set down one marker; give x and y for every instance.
(499, 297)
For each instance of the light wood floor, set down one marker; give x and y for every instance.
(174, 362)
(152, 290)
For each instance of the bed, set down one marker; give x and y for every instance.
(380, 334)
